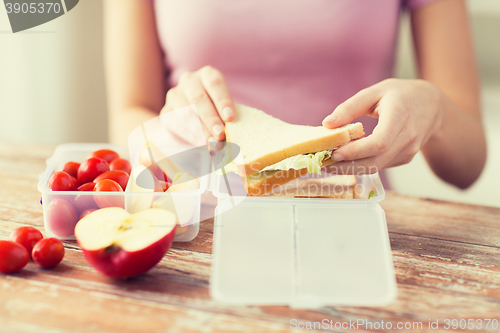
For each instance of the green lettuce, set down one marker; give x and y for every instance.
(310, 161)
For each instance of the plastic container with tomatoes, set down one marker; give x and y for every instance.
(101, 183)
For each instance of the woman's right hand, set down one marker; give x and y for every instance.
(206, 88)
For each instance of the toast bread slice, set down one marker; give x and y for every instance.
(260, 183)
(264, 140)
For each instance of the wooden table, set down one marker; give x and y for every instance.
(446, 256)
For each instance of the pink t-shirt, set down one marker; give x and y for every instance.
(295, 59)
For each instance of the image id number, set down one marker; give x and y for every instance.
(33, 7)
(470, 324)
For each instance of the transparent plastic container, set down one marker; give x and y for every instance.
(302, 252)
(59, 220)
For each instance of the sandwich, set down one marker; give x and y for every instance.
(273, 152)
(333, 187)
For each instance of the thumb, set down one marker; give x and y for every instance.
(358, 105)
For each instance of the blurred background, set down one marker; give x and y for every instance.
(52, 91)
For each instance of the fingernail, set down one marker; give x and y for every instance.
(227, 112)
(211, 143)
(331, 118)
(217, 130)
(337, 157)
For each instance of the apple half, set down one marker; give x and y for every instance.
(122, 245)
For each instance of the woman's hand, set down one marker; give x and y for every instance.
(207, 89)
(409, 112)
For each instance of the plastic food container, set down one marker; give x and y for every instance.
(301, 252)
(277, 249)
(60, 223)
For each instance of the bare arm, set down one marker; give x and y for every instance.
(443, 43)
(439, 114)
(134, 66)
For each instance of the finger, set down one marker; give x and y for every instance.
(384, 135)
(363, 166)
(175, 99)
(404, 157)
(216, 87)
(196, 94)
(362, 103)
(372, 164)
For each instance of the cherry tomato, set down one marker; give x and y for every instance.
(71, 168)
(158, 173)
(61, 218)
(26, 236)
(75, 181)
(120, 164)
(106, 154)
(86, 212)
(91, 168)
(85, 201)
(48, 252)
(164, 185)
(13, 256)
(61, 181)
(86, 187)
(119, 176)
(102, 200)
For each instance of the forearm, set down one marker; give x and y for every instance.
(456, 152)
(123, 121)
(135, 72)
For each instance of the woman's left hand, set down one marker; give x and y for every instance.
(409, 112)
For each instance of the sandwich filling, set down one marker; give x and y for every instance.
(311, 161)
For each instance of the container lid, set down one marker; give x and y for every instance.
(305, 254)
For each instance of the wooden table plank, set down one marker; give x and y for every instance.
(446, 258)
(444, 220)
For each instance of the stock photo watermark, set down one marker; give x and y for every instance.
(366, 324)
(26, 14)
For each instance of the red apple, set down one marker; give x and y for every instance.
(122, 245)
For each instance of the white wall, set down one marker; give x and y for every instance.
(51, 79)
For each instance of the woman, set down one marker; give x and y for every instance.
(299, 60)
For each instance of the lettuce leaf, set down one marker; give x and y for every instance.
(310, 161)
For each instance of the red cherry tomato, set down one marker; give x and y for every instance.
(106, 154)
(61, 218)
(91, 168)
(108, 185)
(13, 256)
(26, 236)
(164, 185)
(86, 187)
(71, 168)
(85, 201)
(48, 252)
(75, 181)
(158, 173)
(61, 181)
(120, 164)
(86, 212)
(119, 176)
